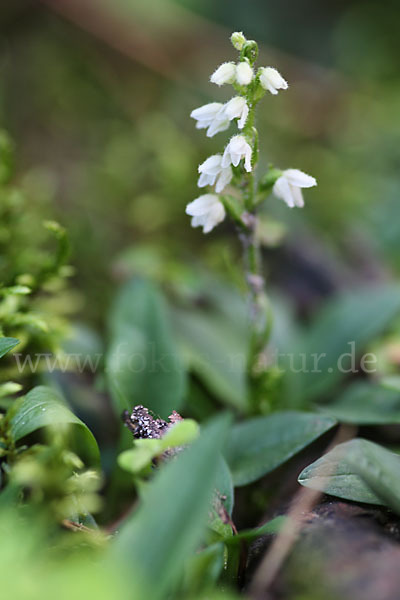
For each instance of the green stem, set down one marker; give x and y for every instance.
(259, 312)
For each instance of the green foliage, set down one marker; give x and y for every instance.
(143, 364)
(43, 407)
(257, 446)
(33, 291)
(214, 341)
(140, 457)
(357, 470)
(178, 525)
(366, 404)
(346, 323)
(7, 344)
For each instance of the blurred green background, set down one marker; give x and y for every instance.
(97, 94)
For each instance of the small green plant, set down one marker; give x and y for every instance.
(34, 295)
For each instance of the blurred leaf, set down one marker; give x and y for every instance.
(141, 455)
(357, 470)
(271, 527)
(7, 344)
(366, 404)
(224, 484)
(43, 407)
(180, 433)
(138, 458)
(257, 446)
(15, 290)
(354, 317)
(214, 342)
(169, 524)
(143, 364)
(391, 382)
(203, 568)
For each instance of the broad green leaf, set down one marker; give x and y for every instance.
(347, 322)
(143, 365)
(7, 344)
(214, 342)
(357, 470)
(257, 446)
(366, 404)
(169, 524)
(43, 407)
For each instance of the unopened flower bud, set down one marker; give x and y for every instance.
(238, 40)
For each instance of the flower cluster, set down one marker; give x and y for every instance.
(240, 154)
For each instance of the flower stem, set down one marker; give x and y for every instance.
(259, 305)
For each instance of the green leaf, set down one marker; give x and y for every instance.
(138, 458)
(391, 382)
(143, 365)
(169, 524)
(366, 404)
(349, 321)
(224, 484)
(203, 569)
(141, 455)
(357, 470)
(9, 388)
(7, 344)
(43, 407)
(259, 445)
(214, 343)
(180, 433)
(271, 527)
(15, 290)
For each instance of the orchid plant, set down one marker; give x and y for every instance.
(238, 191)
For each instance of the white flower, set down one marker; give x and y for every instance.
(238, 40)
(212, 172)
(272, 80)
(237, 149)
(236, 108)
(244, 73)
(288, 186)
(207, 211)
(209, 117)
(224, 74)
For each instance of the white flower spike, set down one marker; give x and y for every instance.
(224, 74)
(288, 186)
(210, 117)
(237, 149)
(244, 73)
(211, 172)
(206, 211)
(272, 80)
(236, 108)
